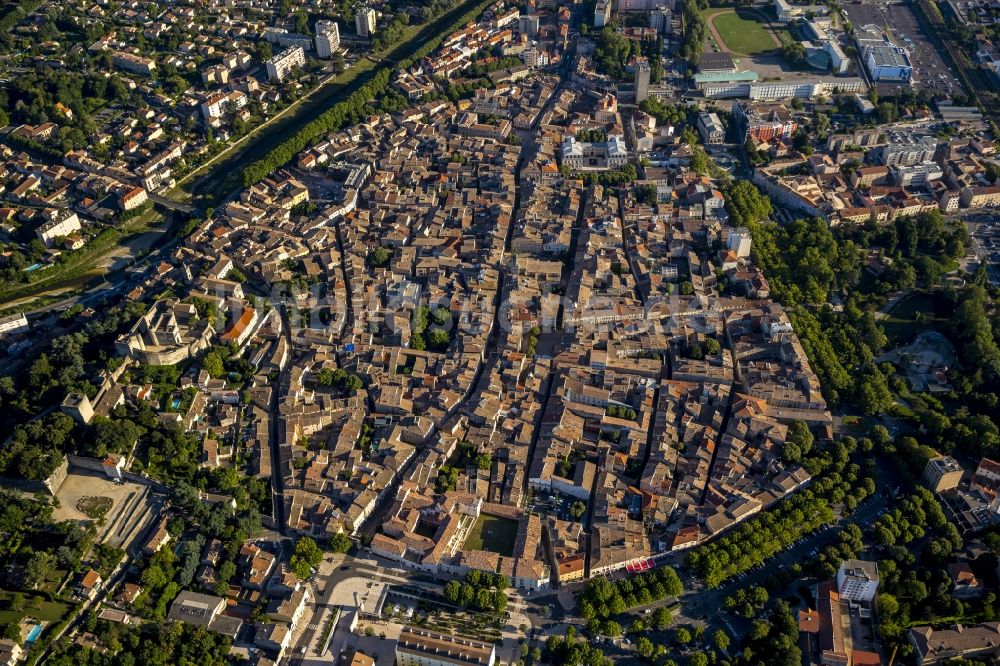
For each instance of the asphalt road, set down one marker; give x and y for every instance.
(707, 600)
(699, 604)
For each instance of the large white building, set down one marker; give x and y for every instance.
(857, 580)
(610, 154)
(217, 104)
(906, 149)
(839, 62)
(915, 175)
(535, 57)
(785, 11)
(280, 65)
(641, 5)
(286, 39)
(11, 324)
(602, 13)
(527, 24)
(746, 84)
(59, 222)
(884, 60)
(804, 89)
(327, 38)
(888, 63)
(423, 647)
(364, 21)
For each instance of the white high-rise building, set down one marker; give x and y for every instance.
(857, 580)
(327, 38)
(602, 13)
(659, 20)
(528, 24)
(280, 65)
(364, 21)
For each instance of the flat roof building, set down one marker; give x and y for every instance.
(884, 60)
(280, 65)
(857, 580)
(11, 324)
(942, 473)
(327, 38)
(204, 610)
(364, 21)
(716, 62)
(422, 647)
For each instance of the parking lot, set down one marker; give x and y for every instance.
(985, 243)
(930, 72)
(553, 504)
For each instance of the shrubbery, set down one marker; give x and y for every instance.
(604, 598)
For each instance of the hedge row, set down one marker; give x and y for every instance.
(32, 146)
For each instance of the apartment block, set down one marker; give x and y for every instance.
(327, 38)
(857, 580)
(364, 21)
(942, 473)
(59, 223)
(764, 122)
(280, 65)
(133, 63)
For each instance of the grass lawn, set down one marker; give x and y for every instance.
(901, 325)
(858, 425)
(494, 534)
(53, 611)
(784, 36)
(741, 34)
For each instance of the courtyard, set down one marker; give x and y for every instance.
(116, 508)
(492, 533)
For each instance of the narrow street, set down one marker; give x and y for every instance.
(274, 422)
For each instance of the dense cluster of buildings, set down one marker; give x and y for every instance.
(971, 501)
(463, 419)
(65, 205)
(131, 152)
(474, 353)
(288, 603)
(538, 38)
(839, 630)
(869, 173)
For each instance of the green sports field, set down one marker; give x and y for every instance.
(742, 34)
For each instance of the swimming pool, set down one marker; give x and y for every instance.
(33, 634)
(32, 267)
(175, 403)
